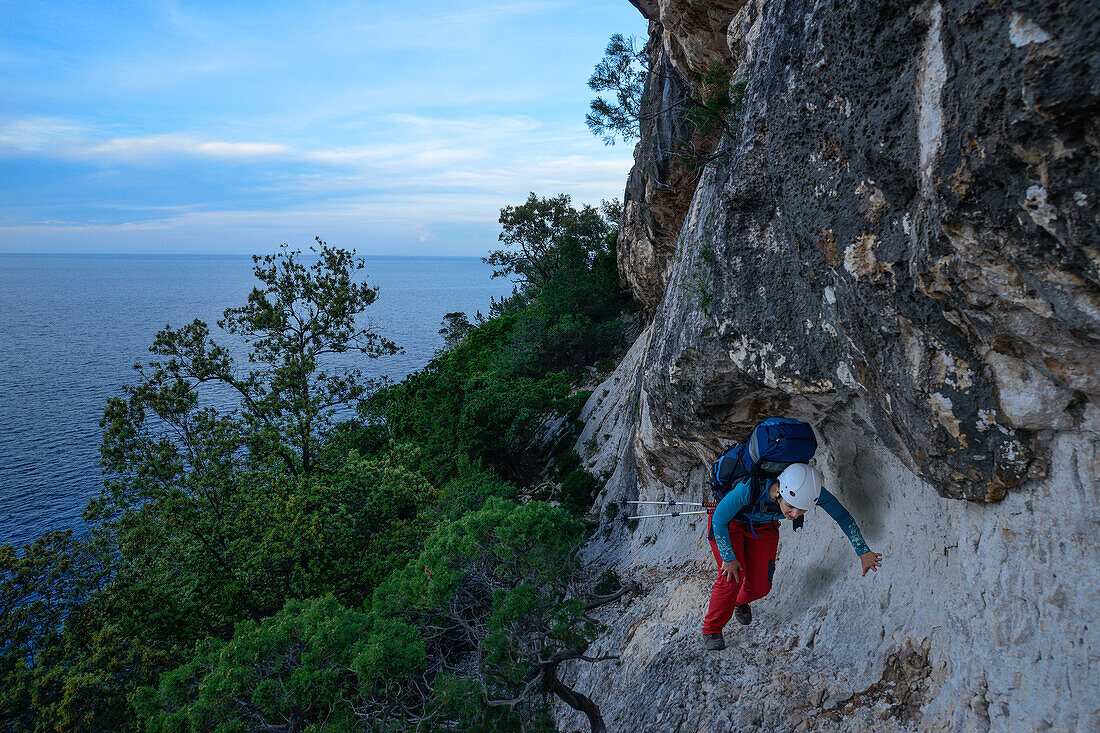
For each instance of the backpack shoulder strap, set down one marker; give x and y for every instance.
(757, 487)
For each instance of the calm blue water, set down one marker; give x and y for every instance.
(72, 326)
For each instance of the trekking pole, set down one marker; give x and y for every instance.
(672, 514)
(708, 508)
(669, 502)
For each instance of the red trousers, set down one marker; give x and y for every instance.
(757, 558)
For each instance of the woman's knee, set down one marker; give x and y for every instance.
(759, 585)
(751, 592)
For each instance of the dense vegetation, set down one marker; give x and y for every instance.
(276, 568)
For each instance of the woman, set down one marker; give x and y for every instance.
(744, 537)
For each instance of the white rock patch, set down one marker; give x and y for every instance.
(1022, 31)
(930, 83)
(1029, 399)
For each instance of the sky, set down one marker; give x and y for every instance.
(391, 126)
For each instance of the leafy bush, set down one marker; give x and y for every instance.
(488, 398)
(608, 582)
(306, 668)
(498, 600)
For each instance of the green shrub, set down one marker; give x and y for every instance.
(302, 668)
(609, 582)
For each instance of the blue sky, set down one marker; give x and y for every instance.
(392, 127)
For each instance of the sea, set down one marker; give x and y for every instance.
(73, 326)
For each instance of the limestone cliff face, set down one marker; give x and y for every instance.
(901, 244)
(684, 39)
(907, 214)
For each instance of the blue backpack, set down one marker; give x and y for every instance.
(772, 445)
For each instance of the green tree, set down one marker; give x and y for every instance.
(188, 485)
(622, 71)
(708, 103)
(301, 315)
(564, 262)
(501, 605)
(50, 581)
(458, 413)
(303, 669)
(490, 399)
(455, 328)
(532, 234)
(184, 571)
(541, 232)
(231, 547)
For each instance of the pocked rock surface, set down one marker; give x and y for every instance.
(900, 244)
(980, 619)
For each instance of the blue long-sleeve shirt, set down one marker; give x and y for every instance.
(765, 510)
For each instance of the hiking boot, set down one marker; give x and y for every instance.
(743, 614)
(713, 642)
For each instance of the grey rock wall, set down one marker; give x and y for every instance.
(899, 244)
(907, 213)
(982, 617)
(684, 39)
(660, 187)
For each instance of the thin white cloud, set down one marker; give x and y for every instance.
(407, 156)
(419, 144)
(60, 138)
(153, 145)
(418, 141)
(72, 226)
(420, 151)
(41, 134)
(477, 204)
(454, 208)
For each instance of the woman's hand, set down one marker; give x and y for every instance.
(870, 561)
(732, 570)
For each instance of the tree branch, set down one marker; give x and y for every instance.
(598, 601)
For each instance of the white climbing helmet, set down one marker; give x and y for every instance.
(800, 485)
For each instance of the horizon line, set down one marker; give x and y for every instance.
(220, 254)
